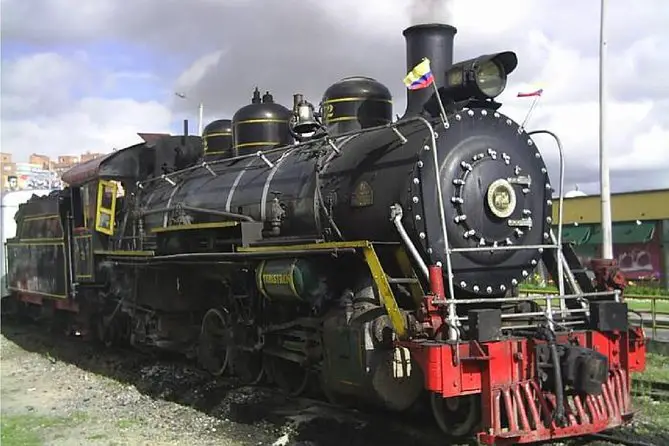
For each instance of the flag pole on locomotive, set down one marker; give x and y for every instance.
(536, 94)
(421, 77)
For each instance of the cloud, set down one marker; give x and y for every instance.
(55, 105)
(38, 81)
(218, 51)
(198, 70)
(92, 124)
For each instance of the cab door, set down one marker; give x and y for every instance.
(106, 207)
(82, 233)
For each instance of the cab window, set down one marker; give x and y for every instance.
(106, 207)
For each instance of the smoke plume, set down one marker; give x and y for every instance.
(431, 11)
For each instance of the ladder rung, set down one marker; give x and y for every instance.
(401, 280)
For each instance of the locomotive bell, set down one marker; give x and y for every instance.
(304, 119)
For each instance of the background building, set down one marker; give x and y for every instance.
(40, 172)
(42, 160)
(8, 170)
(640, 232)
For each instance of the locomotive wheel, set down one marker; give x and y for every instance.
(249, 367)
(290, 376)
(105, 331)
(333, 397)
(213, 353)
(458, 416)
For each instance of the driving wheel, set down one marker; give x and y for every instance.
(213, 352)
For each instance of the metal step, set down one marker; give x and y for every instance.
(579, 270)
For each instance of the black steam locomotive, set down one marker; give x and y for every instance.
(377, 256)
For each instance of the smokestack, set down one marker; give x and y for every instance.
(434, 41)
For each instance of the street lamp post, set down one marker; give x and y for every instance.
(200, 112)
(604, 179)
(200, 118)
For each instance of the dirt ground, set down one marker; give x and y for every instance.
(49, 401)
(57, 390)
(60, 390)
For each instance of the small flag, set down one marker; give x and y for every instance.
(530, 94)
(420, 77)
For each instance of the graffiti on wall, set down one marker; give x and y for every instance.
(34, 179)
(637, 261)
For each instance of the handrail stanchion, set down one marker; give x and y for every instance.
(452, 314)
(560, 209)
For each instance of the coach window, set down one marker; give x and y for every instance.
(106, 207)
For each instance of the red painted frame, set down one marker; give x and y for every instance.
(504, 374)
(59, 303)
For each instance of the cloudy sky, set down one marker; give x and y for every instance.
(88, 75)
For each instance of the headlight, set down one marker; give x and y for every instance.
(481, 78)
(501, 198)
(490, 78)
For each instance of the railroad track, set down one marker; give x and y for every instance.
(655, 389)
(618, 439)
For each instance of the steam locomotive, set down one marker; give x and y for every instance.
(376, 257)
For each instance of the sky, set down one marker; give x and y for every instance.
(89, 75)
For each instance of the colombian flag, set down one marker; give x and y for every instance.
(420, 77)
(530, 94)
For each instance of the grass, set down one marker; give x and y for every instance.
(29, 429)
(635, 297)
(633, 290)
(654, 413)
(657, 368)
(652, 416)
(19, 430)
(125, 423)
(645, 305)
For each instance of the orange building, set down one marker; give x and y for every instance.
(68, 159)
(64, 163)
(41, 160)
(90, 156)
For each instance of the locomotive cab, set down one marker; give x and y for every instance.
(94, 207)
